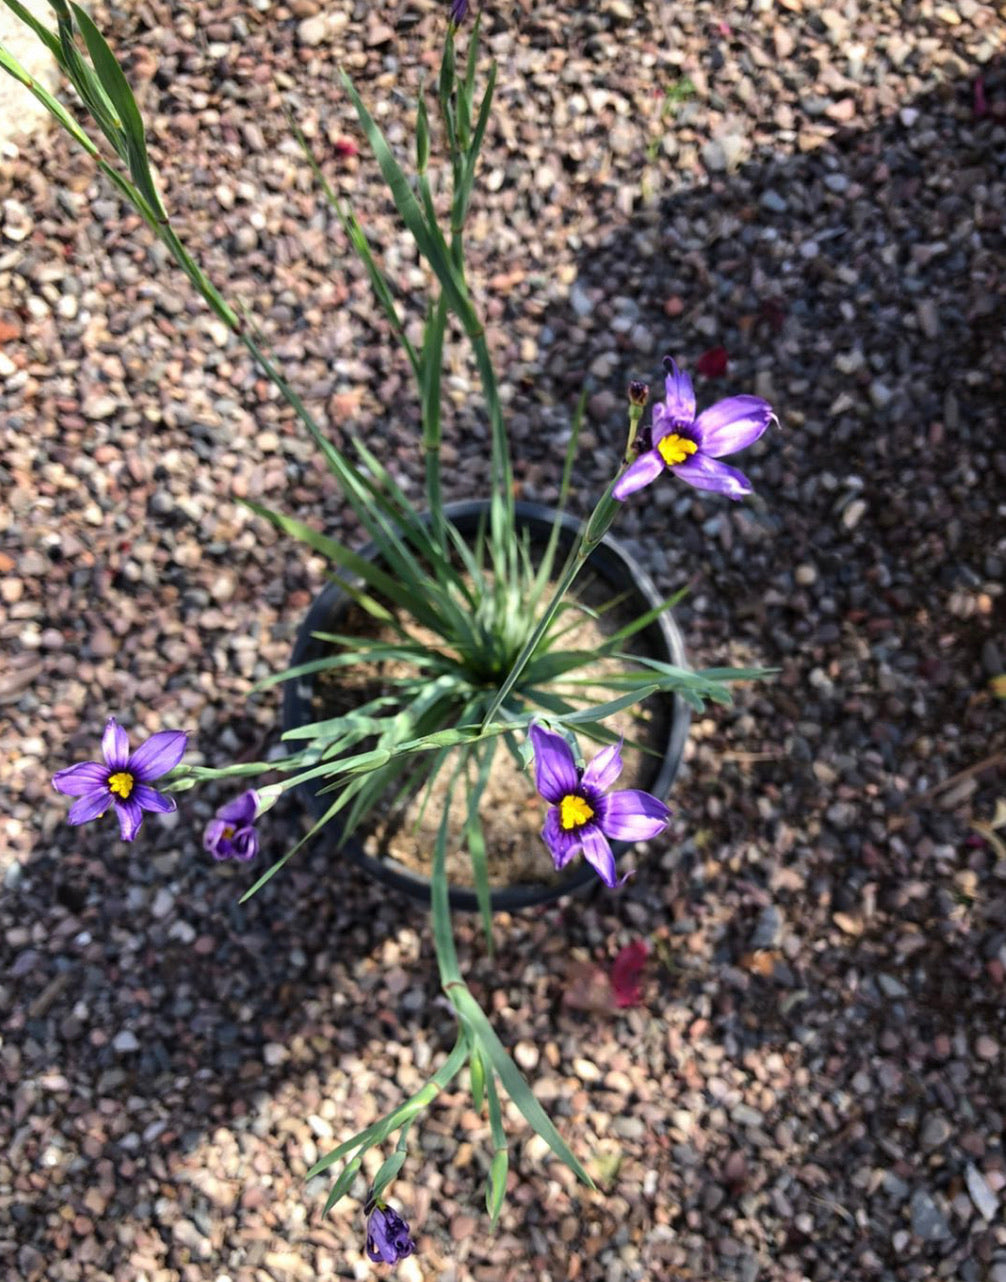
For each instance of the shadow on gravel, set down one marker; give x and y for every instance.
(154, 1008)
(861, 288)
(833, 903)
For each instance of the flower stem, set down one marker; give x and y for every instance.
(594, 530)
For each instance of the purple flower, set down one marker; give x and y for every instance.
(692, 447)
(387, 1234)
(582, 817)
(459, 11)
(231, 833)
(124, 779)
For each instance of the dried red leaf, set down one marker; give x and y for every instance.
(626, 973)
(713, 364)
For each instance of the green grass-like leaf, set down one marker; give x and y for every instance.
(377, 1132)
(440, 908)
(429, 239)
(116, 86)
(410, 598)
(390, 1167)
(343, 1184)
(511, 1078)
(476, 842)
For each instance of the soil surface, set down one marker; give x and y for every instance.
(812, 1087)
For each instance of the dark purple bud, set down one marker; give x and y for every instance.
(639, 393)
(388, 1238)
(459, 11)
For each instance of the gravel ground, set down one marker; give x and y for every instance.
(813, 1085)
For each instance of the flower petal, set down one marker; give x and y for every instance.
(215, 840)
(554, 768)
(376, 1251)
(637, 475)
(150, 799)
(91, 806)
(78, 781)
(605, 768)
(732, 424)
(598, 854)
(680, 396)
(245, 843)
(707, 473)
(632, 815)
(161, 753)
(115, 745)
(241, 810)
(242, 843)
(130, 817)
(562, 845)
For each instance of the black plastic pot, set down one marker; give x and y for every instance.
(611, 563)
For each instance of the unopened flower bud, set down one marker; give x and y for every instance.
(388, 1239)
(638, 393)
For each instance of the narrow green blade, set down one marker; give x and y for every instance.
(512, 1080)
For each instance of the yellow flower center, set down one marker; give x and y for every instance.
(228, 832)
(122, 783)
(675, 449)
(574, 812)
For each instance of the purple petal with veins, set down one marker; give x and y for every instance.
(91, 806)
(598, 853)
(115, 745)
(562, 846)
(680, 395)
(78, 781)
(638, 475)
(161, 753)
(633, 815)
(555, 769)
(707, 473)
(605, 768)
(732, 424)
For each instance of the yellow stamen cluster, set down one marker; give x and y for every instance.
(675, 449)
(574, 812)
(122, 783)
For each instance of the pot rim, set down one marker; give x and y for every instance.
(612, 560)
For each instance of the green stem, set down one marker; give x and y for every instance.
(597, 525)
(433, 347)
(378, 1131)
(440, 904)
